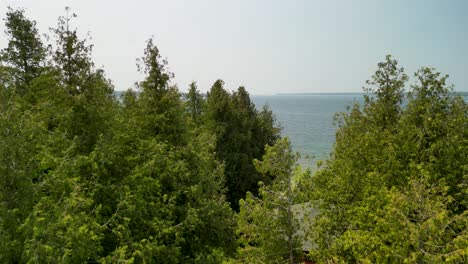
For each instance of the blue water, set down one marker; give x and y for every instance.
(308, 120)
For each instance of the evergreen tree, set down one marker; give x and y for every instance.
(269, 229)
(90, 93)
(237, 125)
(161, 105)
(161, 192)
(195, 102)
(23, 130)
(149, 179)
(389, 164)
(19, 140)
(23, 59)
(72, 55)
(387, 85)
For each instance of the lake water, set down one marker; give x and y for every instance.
(308, 120)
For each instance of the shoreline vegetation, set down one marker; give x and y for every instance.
(157, 176)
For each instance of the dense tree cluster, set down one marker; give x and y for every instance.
(156, 176)
(88, 177)
(395, 188)
(241, 134)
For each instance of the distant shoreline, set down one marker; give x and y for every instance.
(462, 93)
(337, 93)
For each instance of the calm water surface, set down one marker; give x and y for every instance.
(307, 119)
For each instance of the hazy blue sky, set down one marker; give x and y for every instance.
(268, 46)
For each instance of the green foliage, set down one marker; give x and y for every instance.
(23, 60)
(72, 55)
(160, 107)
(195, 102)
(269, 228)
(241, 135)
(151, 178)
(87, 178)
(19, 137)
(387, 85)
(172, 208)
(394, 189)
(90, 94)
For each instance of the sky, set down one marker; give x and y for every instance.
(267, 46)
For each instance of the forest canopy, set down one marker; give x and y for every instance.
(158, 176)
